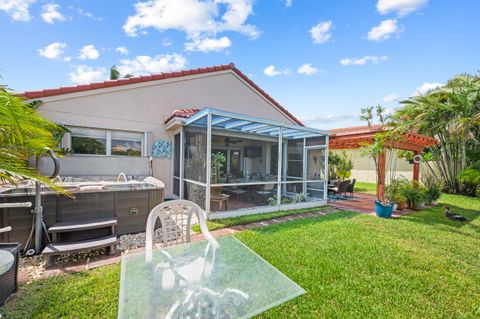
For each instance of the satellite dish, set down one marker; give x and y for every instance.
(417, 158)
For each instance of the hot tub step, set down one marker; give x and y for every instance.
(77, 246)
(82, 225)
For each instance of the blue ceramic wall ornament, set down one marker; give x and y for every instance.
(162, 149)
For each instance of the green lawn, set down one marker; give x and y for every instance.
(367, 188)
(352, 266)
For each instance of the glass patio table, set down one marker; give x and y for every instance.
(201, 280)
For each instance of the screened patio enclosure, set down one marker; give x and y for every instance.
(232, 164)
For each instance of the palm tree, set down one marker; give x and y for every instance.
(451, 114)
(24, 133)
(367, 115)
(114, 73)
(381, 114)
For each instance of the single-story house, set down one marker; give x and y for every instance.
(181, 127)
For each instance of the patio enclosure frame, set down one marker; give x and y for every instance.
(211, 128)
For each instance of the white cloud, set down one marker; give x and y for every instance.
(400, 7)
(384, 30)
(364, 60)
(18, 10)
(288, 3)
(194, 17)
(321, 32)
(84, 74)
(89, 52)
(53, 50)
(389, 98)
(145, 64)
(271, 71)
(88, 14)
(67, 59)
(50, 13)
(307, 69)
(122, 50)
(208, 44)
(426, 87)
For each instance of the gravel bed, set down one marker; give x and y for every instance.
(34, 267)
(132, 241)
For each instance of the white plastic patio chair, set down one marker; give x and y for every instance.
(186, 272)
(176, 218)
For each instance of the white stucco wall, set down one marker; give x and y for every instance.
(145, 106)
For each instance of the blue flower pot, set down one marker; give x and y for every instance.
(384, 211)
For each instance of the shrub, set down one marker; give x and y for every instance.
(433, 187)
(339, 165)
(393, 192)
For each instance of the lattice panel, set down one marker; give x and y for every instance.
(162, 149)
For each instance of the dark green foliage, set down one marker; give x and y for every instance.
(451, 114)
(23, 133)
(339, 165)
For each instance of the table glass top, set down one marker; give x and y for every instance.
(6, 261)
(198, 280)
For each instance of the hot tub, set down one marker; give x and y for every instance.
(94, 197)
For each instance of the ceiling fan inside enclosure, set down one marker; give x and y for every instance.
(227, 140)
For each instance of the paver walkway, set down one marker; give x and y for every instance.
(362, 203)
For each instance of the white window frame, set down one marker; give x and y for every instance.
(67, 142)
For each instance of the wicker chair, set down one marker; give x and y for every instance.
(341, 189)
(350, 188)
(8, 280)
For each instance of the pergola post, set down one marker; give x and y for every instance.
(381, 175)
(416, 169)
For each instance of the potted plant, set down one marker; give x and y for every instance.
(415, 196)
(339, 166)
(299, 197)
(401, 202)
(218, 160)
(381, 150)
(393, 192)
(383, 206)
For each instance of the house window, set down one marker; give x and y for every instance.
(88, 141)
(126, 143)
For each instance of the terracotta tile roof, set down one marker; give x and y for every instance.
(155, 77)
(185, 113)
(355, 136)
(357, 129)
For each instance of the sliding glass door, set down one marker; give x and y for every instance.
(315, 172)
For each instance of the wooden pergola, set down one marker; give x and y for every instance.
(356, 137)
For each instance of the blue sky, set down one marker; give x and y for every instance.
(323, 60)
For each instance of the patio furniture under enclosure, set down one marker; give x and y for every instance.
(251, 163)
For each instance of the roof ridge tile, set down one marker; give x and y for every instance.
(145, 78)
